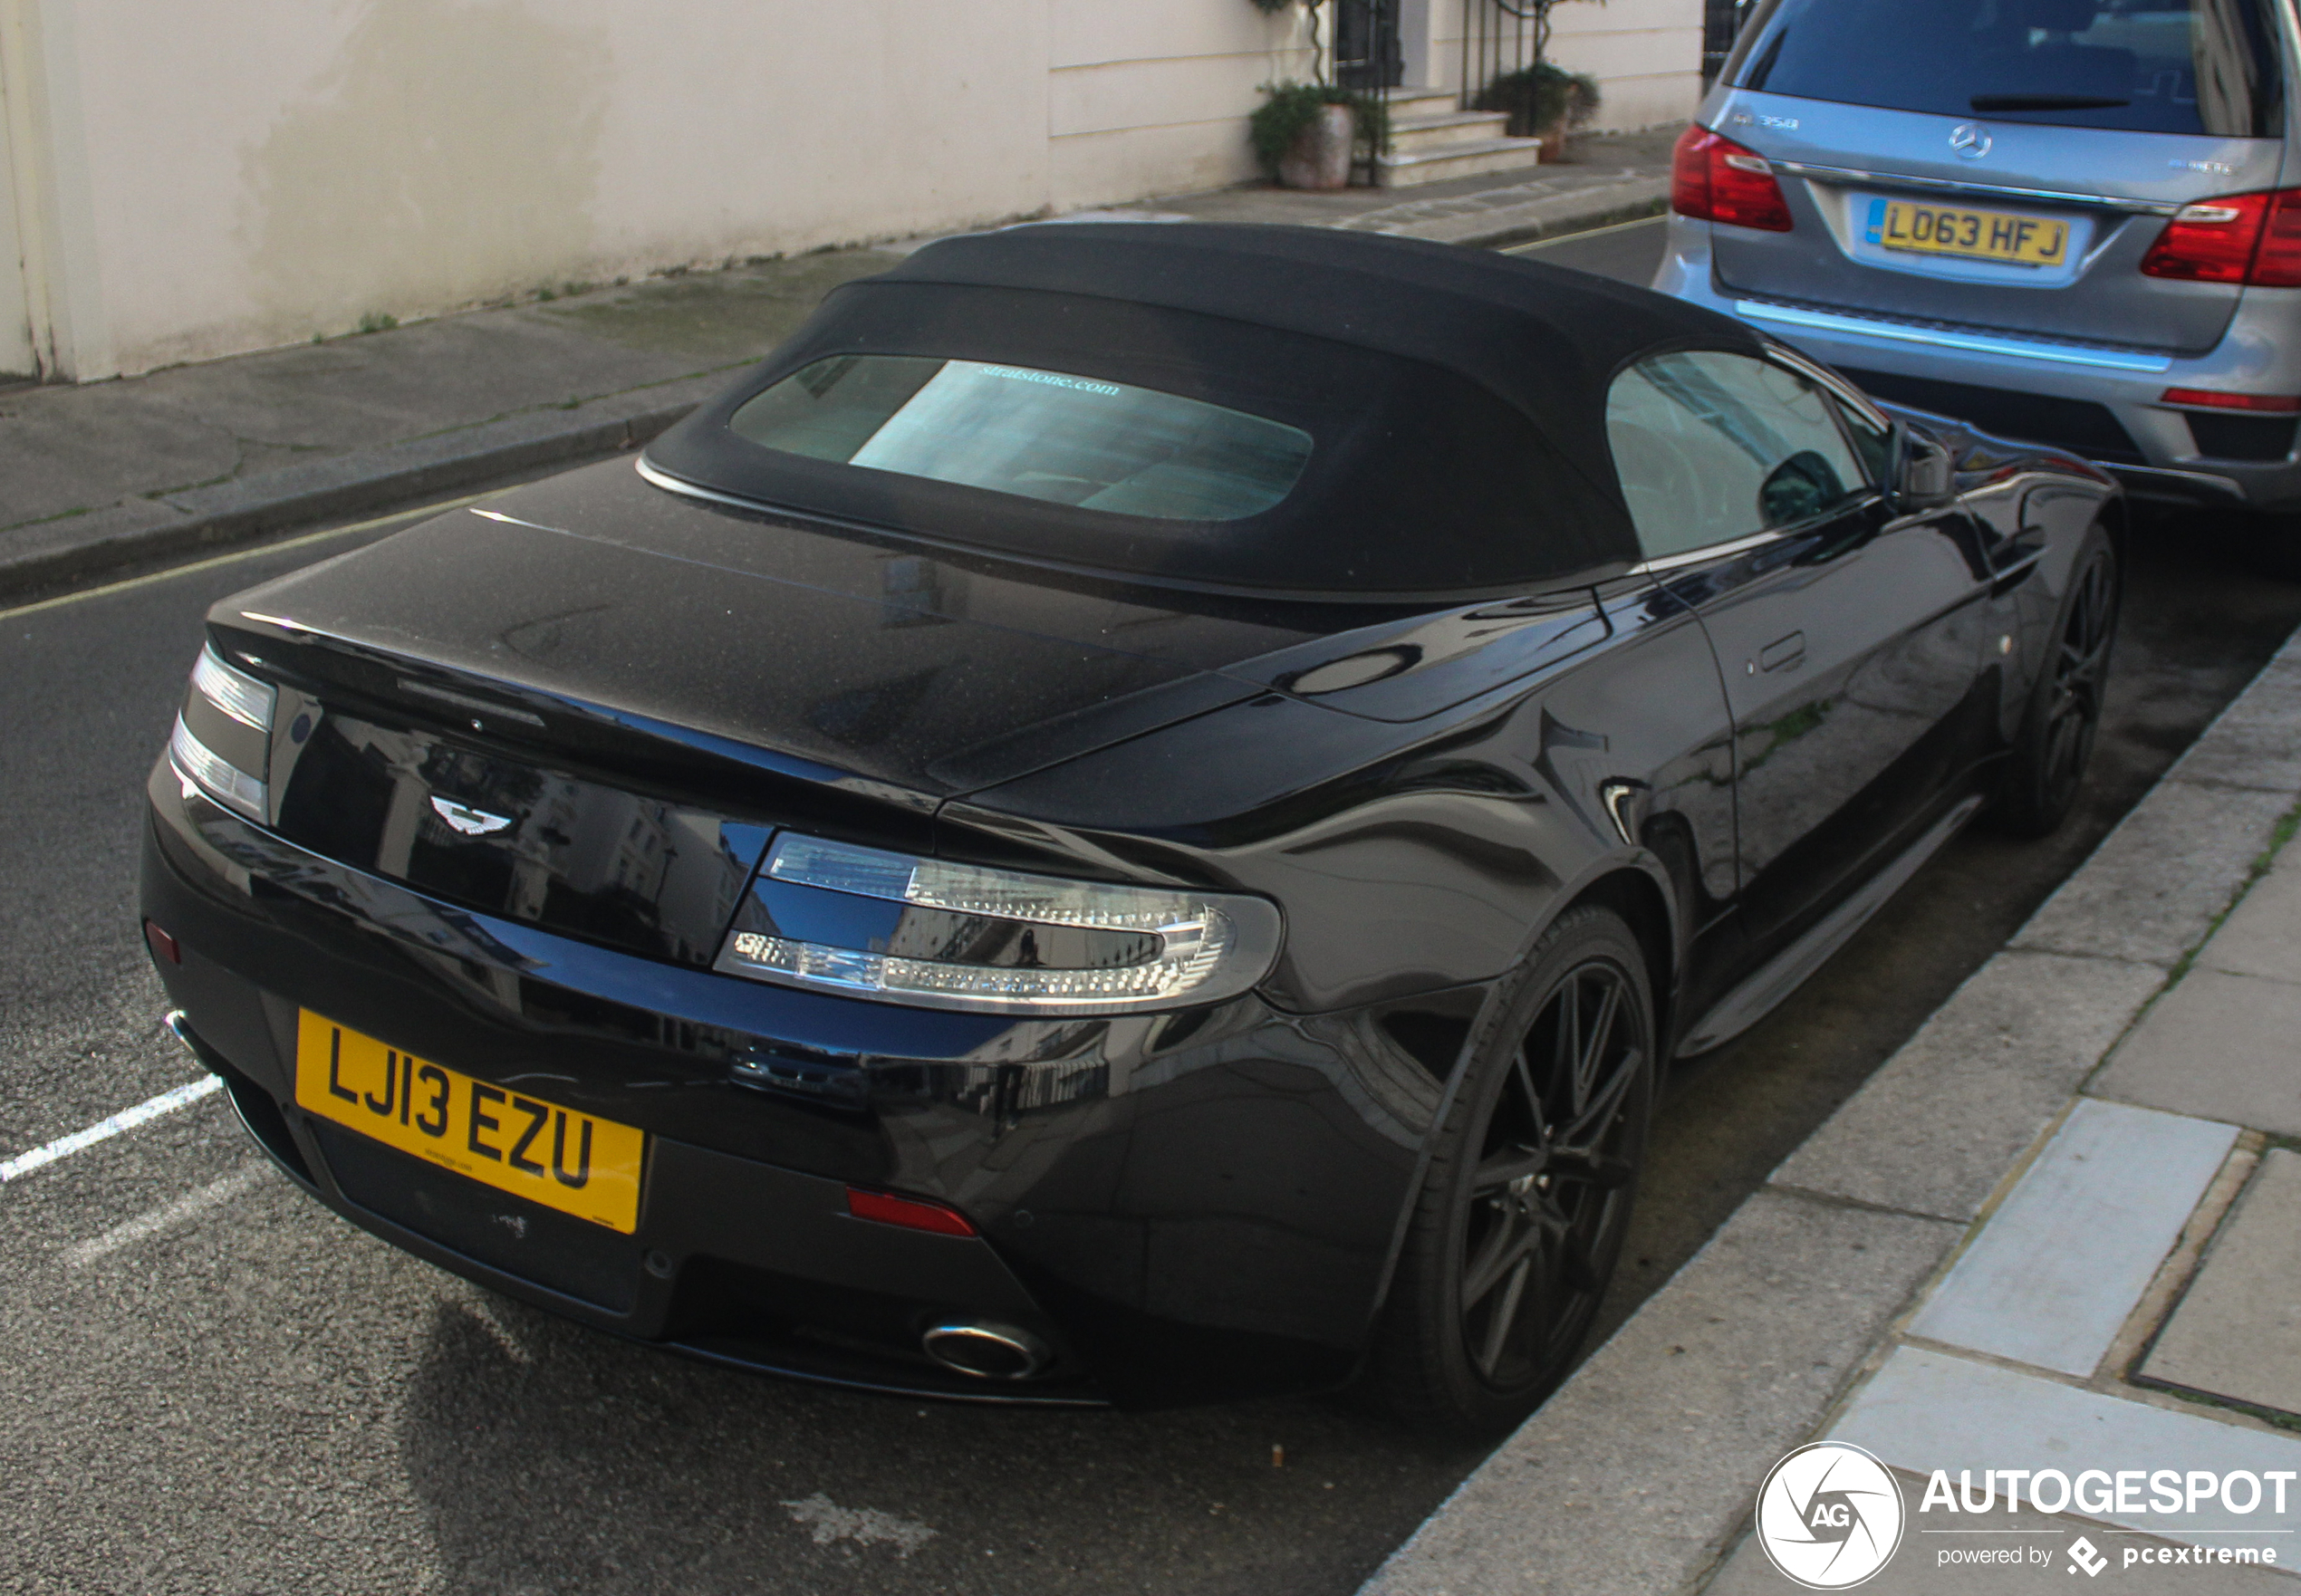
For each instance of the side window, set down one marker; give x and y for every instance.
(1712, 447)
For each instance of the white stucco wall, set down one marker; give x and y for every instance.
(1646, 54)
(211, 179)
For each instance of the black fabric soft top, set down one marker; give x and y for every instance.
(1456, 398)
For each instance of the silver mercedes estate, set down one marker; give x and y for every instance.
(2060, 220)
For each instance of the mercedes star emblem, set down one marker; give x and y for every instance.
(1970, 141)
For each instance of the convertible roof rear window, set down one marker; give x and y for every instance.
(1050, 435)
(1275, 410)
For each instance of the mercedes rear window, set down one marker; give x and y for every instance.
(1040, 434)
(2160, 66)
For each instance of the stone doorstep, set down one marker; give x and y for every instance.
(1424, 135)
(1471, 159)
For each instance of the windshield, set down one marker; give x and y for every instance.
(2160, 66)
(1037, 435)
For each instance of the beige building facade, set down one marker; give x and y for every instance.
(179, 183)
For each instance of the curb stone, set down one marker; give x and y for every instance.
(1639, 1475)
(50, 553)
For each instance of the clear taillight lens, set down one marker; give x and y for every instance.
(1715, 179)
(869, 923)
(2247, 238)
(223, 735)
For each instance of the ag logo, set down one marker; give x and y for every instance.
(1829, 1517)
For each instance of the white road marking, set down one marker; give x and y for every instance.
(63, 1147)
(862, 1525)
(168, 1216)
(1577, 237)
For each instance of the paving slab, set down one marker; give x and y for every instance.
(1926, 1411)
(1935, 1128)
(1637, 1475)
(2237, 1333)
(2154, 888)
(1970, 1558)
(2262, 936)
(2217, 1045)
(2060, 1265)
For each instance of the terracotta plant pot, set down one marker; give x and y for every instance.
(1320, 157)
(1554, 141)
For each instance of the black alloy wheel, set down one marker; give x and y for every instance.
(1530, 1188)
(2065, 712)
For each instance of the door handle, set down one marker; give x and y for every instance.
(1783, 652)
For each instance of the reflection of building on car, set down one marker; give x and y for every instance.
(1137, 812)
(2060, 219)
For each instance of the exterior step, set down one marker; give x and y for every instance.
(1471, 159)
(1409, 101)
(1423, 134)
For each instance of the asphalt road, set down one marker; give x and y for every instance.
(208, 1384)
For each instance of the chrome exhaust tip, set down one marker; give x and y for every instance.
(986, 1350)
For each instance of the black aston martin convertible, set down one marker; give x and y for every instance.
(1135, 815)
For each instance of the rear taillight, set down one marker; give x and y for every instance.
(223, 733)
(1714, 179)
(2259, 404)
(885, 1207)
(2249, 238)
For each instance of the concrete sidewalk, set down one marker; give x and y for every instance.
(2061, 1228)
(147, 468)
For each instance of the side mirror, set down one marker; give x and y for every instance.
(1927, 470)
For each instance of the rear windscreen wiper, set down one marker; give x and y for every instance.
(2002, 102)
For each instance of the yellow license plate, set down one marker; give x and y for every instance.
(577, 1163)
(1971, 235)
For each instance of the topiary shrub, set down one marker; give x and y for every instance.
(1540, 98)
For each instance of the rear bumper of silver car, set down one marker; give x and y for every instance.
(2103, 402)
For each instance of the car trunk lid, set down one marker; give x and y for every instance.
(596, 732)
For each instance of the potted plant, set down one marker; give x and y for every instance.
(1307, 134)
(1544, 100)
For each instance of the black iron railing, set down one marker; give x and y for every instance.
(1499, 37)
(1721, 22)
(1368, 59)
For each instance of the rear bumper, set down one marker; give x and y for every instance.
(1182, 1206)
(2106, 403)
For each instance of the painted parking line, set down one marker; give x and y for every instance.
(167, 1217)
(1580, 237)
(143, 1113)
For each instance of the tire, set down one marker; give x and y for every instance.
(2063, 717)
(1533, 1171)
